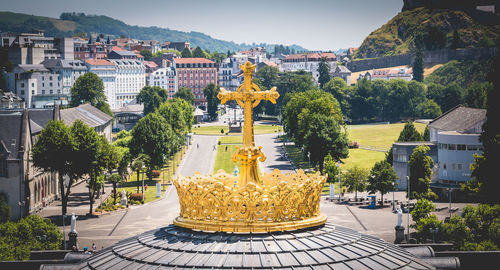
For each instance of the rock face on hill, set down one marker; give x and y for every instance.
(448, 4)
(440, 28)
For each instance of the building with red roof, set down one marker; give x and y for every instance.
(308, 62)
(196, 74)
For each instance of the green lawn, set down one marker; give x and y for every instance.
(231, 139)
(215, 130)
(223, 158)
(297, 157)
(378, 136)
(363, 158)
(150, 193)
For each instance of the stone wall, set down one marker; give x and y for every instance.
(430, 58)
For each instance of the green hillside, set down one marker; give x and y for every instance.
(437, 26)
(461, 72)
(74, 23)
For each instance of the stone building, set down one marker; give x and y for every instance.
(28, 189)
(91, 116)
(196, 74)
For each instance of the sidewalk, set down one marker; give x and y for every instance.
(78, 202)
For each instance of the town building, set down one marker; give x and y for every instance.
(180, 46)
(88, 49)
(106, 70)
(405, 74)
(454, 139)
(130, 79)
(91, 116)
(69, 71)
(196, 74)
(126, 117)
(27, 188)
(308, 62)
(456, 134)
(342, 72)
(9, 100)
(33, 48)
(165, 78)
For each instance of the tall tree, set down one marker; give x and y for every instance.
(476, 95)
(198, 52)
(429, 109)
(331, 168)
(147, 54)
(53, 152)
(89, 88)
(426, 136)
(452, 96)
(398, 98)
(409, 134)
(455, 40)
(418, 60)
(179, 114)
(87, 146)
(416, 97)
(210, 93)
(186, 53)
(186, 94)
(382, 178)
(421, 173)
(324, 73)
(152, 97)
(152, 136)
(355, 180)
(324, 136)
(485, 167)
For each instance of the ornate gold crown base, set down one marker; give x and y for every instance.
(249, 227)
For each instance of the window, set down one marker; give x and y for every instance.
(459, 166)
(22, 92)
(32, 84)
(444, 166)
(22, 84)
(43, 92)
(32, 92)
(452, 147)
(453, 166)
(461, 147)
(471, 147)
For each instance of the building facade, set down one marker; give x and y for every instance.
(308, 62)
(196, 74)
(165, 78)
(130, 79)
(401, 152)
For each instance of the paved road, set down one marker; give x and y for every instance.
(272, 150)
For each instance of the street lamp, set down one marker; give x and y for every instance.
(143, 167)
(408, 209)
(449, 196)
(393, 201)
(340, 189)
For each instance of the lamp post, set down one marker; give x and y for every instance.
(340, 190)
(408, 209)
(163, 173)
(393, 187)
(449, 196)
(143, 182)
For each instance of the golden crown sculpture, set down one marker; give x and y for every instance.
(249, 202)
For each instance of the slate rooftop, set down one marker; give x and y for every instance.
(324, 247)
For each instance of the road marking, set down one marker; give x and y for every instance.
(359, 221)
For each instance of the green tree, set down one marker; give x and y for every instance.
(17, 239)
(87, 147)
(114, 179)
(355, 179)
(324, 73)
(89, 88)
(398, 99)
(138, 166)
(363, 101)
(485, 166)
(179, 114)
(152, 97)
(186, 94)
(422, 209)
(331, 169)
(426, 136)
(382, 179)
(186, 53)
(5, 209)
(302, 105)
(455, 41)
(418, 61)
(210, 93)
(338, 88)
(476, 95)
(409, 134)
(324, 136)
(147, 54)
(152, 136)
(198, 52)
(421, 173)
(429, 109)
(417, 93)
(452, 96)
(54, 151)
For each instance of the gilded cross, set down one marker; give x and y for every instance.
(248, 96)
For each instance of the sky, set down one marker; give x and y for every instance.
(312, 24)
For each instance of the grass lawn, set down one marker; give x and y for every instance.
(231, 139)
(223, 158)
(378, 136)
(297, 157)
(150, 193)
(215, 130)
(363, 158)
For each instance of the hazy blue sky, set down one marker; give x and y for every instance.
(313, 24)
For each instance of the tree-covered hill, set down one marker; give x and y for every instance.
(464, 73)
(80, 23)
(440, 28)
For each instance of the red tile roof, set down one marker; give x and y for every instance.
(150, 64)
(99, 62)
(117, 48)
(193, 61)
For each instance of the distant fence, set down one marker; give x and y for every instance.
(430, 58)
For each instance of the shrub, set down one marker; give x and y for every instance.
(155, 173)
(136, 197)
(353, 145)
(221, 131)
(219, 143)
(5, 210)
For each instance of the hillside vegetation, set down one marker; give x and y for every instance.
(438, 27)
(463, 73)
(78, 23)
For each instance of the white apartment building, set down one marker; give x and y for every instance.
(165, 78)
(308, 62)
(130, 79)
(106, 70)
(68, 70)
